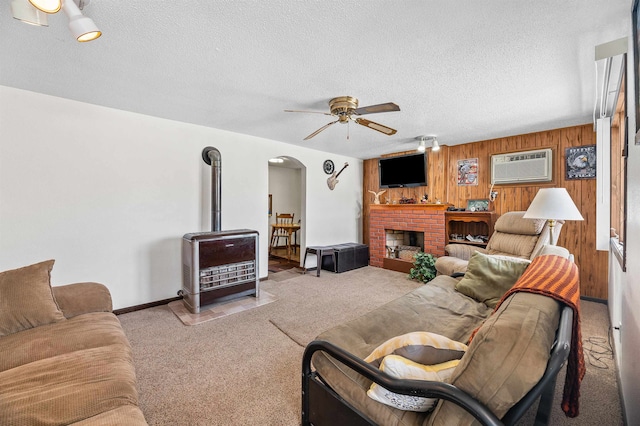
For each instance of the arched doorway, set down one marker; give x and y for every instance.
(287, 194)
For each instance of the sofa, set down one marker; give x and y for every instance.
(64, 358)
(513, 236)
(521, 339)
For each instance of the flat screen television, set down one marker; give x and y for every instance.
(403, 171)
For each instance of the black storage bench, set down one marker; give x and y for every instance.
(348, 256)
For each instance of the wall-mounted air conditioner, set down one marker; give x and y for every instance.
(521, 167)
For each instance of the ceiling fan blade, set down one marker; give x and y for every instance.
(376, 126)
(311, 112)
(321, 129)
(373, 109)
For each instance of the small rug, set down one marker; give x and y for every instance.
(220, 309)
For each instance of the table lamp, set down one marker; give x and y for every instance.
(553, 204)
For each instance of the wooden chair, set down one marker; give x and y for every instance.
(278, 233)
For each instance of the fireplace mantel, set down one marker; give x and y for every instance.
(426, 218)
(409, 206)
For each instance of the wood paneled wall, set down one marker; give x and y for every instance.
(577, 236)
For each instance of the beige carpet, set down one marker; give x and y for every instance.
(244, 369)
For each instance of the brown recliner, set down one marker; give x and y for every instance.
(513, 236)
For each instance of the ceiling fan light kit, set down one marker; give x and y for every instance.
(82, 27)
(345, 107)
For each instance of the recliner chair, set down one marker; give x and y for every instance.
(513, 236)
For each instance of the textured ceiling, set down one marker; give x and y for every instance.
(463, 70)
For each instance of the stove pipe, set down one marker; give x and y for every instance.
(212, 157)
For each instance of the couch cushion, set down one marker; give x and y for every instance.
(514, 223)
(82, 332)
(506, 358)
(489, 277)
(26, 299)
(512, 245)
(125, 415)
(68, 388)
(449, 265)
(434, 307)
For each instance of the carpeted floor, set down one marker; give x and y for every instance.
(245, 368)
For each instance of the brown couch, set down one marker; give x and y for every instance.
(501, 373)
(64, 358)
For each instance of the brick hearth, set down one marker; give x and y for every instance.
(427, 218)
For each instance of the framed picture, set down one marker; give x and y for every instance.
(270, 204)
(580, 162)
(468, 172)
(478, 205)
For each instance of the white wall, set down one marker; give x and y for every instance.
(629, 367)
(630, 314)
(109, 194)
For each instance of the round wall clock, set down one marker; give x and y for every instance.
(328, 167)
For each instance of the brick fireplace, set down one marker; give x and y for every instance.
(424, 219)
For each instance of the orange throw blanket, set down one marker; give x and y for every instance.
(557, 277)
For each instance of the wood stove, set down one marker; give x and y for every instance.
(218, 265)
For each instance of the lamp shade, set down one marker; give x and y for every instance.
(48, 6)
(554, 204)
(23, 11)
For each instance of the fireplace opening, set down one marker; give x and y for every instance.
(403, 244)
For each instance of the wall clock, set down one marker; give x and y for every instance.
(328, 167)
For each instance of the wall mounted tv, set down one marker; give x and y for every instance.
(403, 171)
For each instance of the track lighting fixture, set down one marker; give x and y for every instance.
(422, 144)
(47, 6)
(82, 27)
(23, 11)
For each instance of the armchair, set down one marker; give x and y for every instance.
(513, 236)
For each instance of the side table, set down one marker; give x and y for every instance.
(319, 251)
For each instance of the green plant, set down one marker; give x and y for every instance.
(424, 268)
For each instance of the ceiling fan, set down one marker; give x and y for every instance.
(344, 107)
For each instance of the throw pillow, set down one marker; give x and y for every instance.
(402, 368)
(26, 299)
(422, 347)
(489, 277)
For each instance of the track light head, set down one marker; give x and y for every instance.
(47, 6)
(23, 11)
(82, 27)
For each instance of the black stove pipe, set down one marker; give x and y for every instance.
(212, 157)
